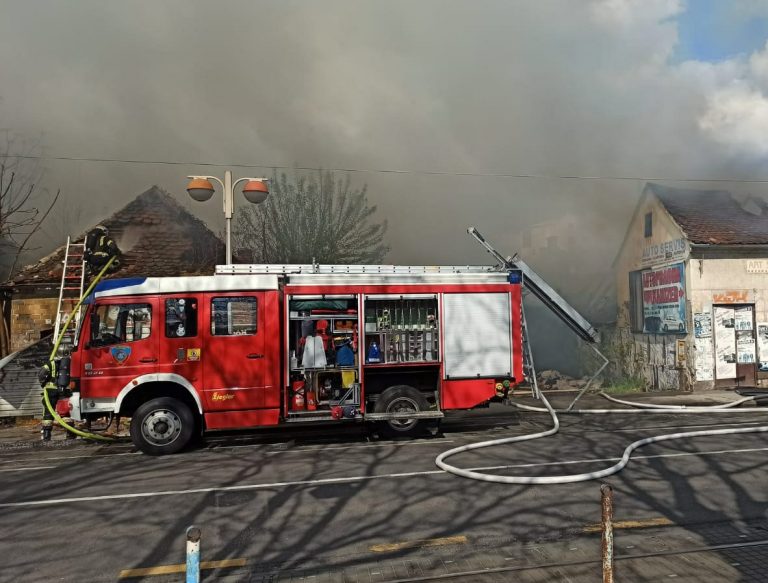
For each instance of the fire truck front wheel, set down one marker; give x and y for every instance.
(401, 399)
(162, 426)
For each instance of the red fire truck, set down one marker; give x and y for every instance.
(263, 345)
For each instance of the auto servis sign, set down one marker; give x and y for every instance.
(664, 300)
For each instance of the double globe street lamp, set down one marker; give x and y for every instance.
(201, 190)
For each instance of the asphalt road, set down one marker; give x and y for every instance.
(338, 506)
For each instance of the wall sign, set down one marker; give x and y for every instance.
(664, 300)
(666, 251)
(757, 266)
(733, 296)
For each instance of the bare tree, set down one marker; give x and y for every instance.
(21, 215)
(319, 217)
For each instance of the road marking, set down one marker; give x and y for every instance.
(211, 450)
(349, 479)
(417, 544)
(315, 448)
(180, 568)
(69, 457)
(647, 523)
(28, 469)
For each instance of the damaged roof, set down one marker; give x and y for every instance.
(715, 217)
(157, 236)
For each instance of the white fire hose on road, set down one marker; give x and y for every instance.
(617, 467)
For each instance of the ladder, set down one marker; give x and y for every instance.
(72, 282)
(529, 369)
(314, 268)
(534, 283)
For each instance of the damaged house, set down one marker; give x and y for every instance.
(158, 237)
(692, 290)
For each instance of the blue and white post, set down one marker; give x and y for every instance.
(193, 554)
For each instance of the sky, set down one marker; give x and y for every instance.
(458, 95)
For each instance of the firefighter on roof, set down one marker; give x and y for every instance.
(99, 248)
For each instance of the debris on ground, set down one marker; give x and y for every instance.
(554, 380)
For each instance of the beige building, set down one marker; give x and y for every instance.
(692, 290)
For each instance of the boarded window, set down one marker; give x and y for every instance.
(636, 301)
(235, 316)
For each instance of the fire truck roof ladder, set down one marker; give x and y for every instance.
(542, 290)
(295, 269)
(72, 281)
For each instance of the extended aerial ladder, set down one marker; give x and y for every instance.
(533, 283)
(542, 290)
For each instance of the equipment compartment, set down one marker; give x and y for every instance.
(323, 360)
(401, 329)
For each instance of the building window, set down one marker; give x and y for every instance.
(552, 242)
(181, 318)
(120, 323)
(648, 224)
(636, 301)
(235, 316)
(526, 239)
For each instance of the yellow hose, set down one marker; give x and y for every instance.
(46, 398)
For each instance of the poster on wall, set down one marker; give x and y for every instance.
(762, 345)
(725, 343)
(704, 354)
(745, 347)
(664, 300)
(743, 318)
(702, 325)
(705, 359)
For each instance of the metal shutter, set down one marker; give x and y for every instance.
(477, 335)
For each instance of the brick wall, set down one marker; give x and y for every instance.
(30, 317)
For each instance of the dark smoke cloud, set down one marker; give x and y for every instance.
(551, 87)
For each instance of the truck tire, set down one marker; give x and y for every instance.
(399, 399)
(162, 426)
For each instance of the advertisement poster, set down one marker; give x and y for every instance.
(762, 345)
(664, 300)
(725, 343)
(745, 347)
(705, 359)
(743, 318)
(702, 325)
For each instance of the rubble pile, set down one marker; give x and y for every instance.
(553, 380)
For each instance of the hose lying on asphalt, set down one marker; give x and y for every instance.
(655, 406)
(586, 476)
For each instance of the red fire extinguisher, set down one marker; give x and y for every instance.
(311, 401)
(298, 396)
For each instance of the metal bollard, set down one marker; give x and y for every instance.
(606, 501)
(193, 554)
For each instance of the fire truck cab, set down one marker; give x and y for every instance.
(264, 345)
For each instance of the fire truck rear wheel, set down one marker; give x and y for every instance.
(162, 426)
(401, 399)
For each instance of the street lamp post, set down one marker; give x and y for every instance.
(201, 190)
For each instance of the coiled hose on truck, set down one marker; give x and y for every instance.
(56, 344)
(595, 475)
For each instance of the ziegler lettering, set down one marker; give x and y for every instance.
(222, 396)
